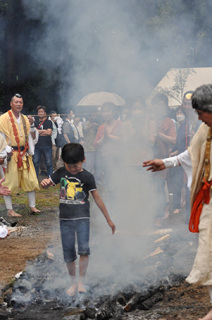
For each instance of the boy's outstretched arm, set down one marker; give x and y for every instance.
(45, 183)
(154, 165)
(103, 208)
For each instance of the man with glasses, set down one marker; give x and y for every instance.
(19, 171)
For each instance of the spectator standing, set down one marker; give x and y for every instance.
(108, 147)
(90, 130)
(192, 124)
(68, 131)
(138, 142)
(57, 123)
(20, 172)
(165, 138)
(176, 178)
(77, 126)
(44, 144)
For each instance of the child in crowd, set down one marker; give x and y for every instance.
(75, 184)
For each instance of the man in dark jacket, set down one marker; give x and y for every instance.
(44, 144)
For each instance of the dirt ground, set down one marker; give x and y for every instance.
(33, 235)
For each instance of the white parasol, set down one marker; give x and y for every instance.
(99, 98)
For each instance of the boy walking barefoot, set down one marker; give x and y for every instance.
(75, 185)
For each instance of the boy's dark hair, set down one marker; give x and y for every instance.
(73, 153)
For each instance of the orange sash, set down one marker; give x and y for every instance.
(203, 196)
(15, 132)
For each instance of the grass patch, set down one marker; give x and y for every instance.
(44, 198)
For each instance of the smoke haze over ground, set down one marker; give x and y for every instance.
(102, 45)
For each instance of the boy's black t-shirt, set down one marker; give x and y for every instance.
(74, 193)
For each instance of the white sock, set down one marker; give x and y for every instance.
(8, 202)
(31, 198)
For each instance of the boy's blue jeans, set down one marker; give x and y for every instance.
(69, 229)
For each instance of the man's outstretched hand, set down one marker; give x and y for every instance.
(154, 165)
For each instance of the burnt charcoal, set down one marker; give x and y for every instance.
(3, 315)
(73, 311)
(90, 312)
(110, 309)
(129, 290)
(103, 313)
(166, 282)
(23, 286)
(20, 300)
(132, 302)
(148, 292)
(149, 303)
(83, 317)
(17, 304)
(4, 222)
(121, 300)
(7, 298)
(176, 279)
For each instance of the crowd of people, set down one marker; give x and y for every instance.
(118, 139)
(113, 146)
(114, 139)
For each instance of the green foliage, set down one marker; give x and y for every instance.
(177, 90)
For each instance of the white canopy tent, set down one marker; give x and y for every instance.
(177, 81)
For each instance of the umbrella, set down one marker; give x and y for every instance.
(99, 98)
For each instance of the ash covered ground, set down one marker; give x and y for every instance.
(154, 281)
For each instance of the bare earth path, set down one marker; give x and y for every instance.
(35, 233)
(31, 238)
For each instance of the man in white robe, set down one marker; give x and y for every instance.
(197, 163)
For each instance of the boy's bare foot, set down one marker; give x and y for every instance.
(81, 288)
(72, 290)
(34, 210)
(12, 213)
(208, 316)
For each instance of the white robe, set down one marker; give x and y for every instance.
(201, 272)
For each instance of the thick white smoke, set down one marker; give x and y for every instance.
(96, 46)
